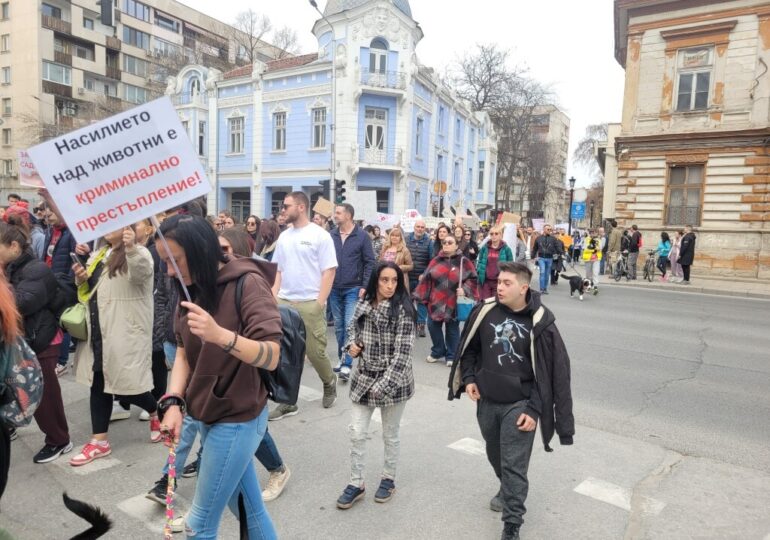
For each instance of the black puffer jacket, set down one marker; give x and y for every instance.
(35, 289)
(159, 298)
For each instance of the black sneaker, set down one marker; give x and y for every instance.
(190, 470)
(510, 532)
(50, 452)
(158, 492)
(385, 491)
(350, 496)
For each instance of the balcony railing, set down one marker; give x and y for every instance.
(112, 72)
(57, 89)
(112, 43)
(380, 156)
(384, 79)
(62, 58)
(683, 215)
(187, 98)
(58, 25)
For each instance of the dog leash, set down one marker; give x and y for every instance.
(167, 532)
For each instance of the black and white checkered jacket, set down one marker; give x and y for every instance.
(383, 374)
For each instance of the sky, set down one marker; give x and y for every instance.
(566, 44)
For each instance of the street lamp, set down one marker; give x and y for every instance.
(591, 221)
(333, 165)
(571, 198)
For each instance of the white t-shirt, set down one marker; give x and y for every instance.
(302, 254)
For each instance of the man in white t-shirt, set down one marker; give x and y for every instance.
(307, 263)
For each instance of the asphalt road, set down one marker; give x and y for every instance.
(673, 442)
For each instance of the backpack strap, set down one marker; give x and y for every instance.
(239, 298)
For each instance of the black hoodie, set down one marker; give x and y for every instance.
(550, 364)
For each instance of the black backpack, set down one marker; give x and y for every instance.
(283, 383)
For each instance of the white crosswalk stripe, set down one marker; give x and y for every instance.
(309, 394)
(96, 465)
(616, 495)
(470, 446)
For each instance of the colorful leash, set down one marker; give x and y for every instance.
(167, 532)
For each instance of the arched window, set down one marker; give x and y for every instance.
(378, 56)
(195, 86)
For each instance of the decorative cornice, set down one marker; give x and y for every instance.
(309, 91)
(235, 101)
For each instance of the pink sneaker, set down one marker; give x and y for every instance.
(155, 435)
(90, 452)
(664, 278)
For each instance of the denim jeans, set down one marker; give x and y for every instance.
(441, 348)
(64, 351)
(544, 263)
(422, 309)
(267, 452)
(190, 427)
(360, 417)
(227, 471)
(662, 262)
(169, 349)
(343, 304)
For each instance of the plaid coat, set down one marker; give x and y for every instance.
(438, 286)
(383, 374)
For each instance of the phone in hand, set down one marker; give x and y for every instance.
(76, 259)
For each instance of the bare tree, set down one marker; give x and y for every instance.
(248, 30)
(584, 154)
(286, 41)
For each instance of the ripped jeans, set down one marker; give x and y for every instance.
(226, 471)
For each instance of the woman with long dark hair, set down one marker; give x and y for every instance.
(35, 290)
(215, 377)
(116, 360)
(269, 231)
(442, 231)
(381, 336)
(10, 331)
(663, 249)
(251, 227)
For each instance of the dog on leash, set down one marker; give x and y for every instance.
(580, 285)
(99, 521)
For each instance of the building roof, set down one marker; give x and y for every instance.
(338, 6)
(273, 65)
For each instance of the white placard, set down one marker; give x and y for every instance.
(121, 170)
(384, 221)
(509, 235)
(28, 175)
(364, 203)
(408, 220)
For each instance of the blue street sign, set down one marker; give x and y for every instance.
(578, 210)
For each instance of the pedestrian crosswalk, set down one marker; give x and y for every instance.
(470, 446)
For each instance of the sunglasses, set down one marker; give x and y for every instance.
(445, 243)
(253, 223)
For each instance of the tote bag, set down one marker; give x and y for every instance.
(464, 304)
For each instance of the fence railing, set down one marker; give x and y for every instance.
(381, 156)
(683, 215)
(384, 79)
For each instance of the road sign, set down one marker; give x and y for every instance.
(440, 187)
(578, 210)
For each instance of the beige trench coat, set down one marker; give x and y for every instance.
(125, 318)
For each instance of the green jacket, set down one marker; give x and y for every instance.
(506, 255)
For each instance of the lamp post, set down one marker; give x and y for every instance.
(591, 221)
(333, 165)
(571, 198)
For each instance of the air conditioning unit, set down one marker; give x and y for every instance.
(81, 91)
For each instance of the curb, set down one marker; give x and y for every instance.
(693, 289)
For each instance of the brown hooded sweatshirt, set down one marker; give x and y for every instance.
(222, 388)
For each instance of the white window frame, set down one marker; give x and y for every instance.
(201, 138)
(66, 73)
(7, 106)
(5, 11)
(7, 137)
(88, 23)
(5, 43)
(419, 126)
(458, 128)
(481, 175)
(5, 75)
(137, 91)
(318, 135)
(440, 126)
(7, 167)
(706, 66)
(279, 131)
(235, 138)
(135, 66)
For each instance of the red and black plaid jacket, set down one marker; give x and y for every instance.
(438, 287)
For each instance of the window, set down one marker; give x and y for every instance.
(135, 66)
(57, 73)
(235, 127)
(165, 48)
(87, 53)
(201, 138)
(186, 127)
(378, 56)
(441, 119)
(418, 137)
(685, 186)
(440, 173)
(694, 71)
(279, 131)
(136, 38)
(481, 175)
(51, 11)
(472, 140)
(6, 137)
(101, 87)
(5, 43)
(469, 180)
(458, 129)
(5, 11)
(456, 175)
(88, 23)
(7, 108)
(319, 127)
(137, 10)
(135, 94)
(195, 86)
(6, 75)
(376, 123)
(7, 166)
(166, 22)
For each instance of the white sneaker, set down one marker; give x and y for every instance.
(119, 413)
(144, 416)
(177, 524)
(432, 360)
(345, 373)
(275, 484)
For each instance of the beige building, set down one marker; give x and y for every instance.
(61, 67)
(694, 142)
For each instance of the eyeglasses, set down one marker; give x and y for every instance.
(252, 223)
(448, 242)
(467, 234)
(494, 234)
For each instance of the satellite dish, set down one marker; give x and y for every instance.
(581, 195)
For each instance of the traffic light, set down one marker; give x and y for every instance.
(339, 190)
(325, 188)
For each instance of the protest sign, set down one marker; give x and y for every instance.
(432, 222)
(384, 221)
(324, 207)
(408, 220)
(508, 217)
(364, 203)
(509, 235)
(538, 224)
(28, 175)
(121, 170)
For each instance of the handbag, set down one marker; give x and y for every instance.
(464, 304)
(74, 319)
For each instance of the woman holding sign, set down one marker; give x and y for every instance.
(116, 360)
(215, 377)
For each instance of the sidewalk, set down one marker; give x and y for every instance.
(723, 286)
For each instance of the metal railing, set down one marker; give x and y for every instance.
(113, 72)
(683, 215)
(62, 58)
(381, 156)
(188, 98)
(58, 25)
(384, 79)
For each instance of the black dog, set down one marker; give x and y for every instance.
(99, 521)
(580, 284)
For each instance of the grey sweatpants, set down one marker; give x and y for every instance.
(508, 451)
